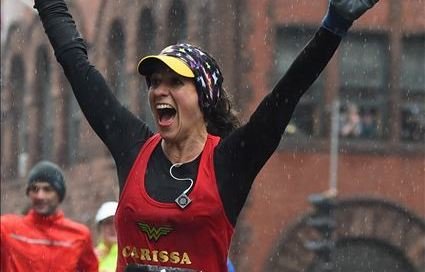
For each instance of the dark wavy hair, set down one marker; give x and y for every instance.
(221, 118)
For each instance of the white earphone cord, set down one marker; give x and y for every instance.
(181, 179)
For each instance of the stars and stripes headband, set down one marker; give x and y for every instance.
(189, 61)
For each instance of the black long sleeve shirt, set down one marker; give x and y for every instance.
(238, 157)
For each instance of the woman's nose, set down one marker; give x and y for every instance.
(161, 90)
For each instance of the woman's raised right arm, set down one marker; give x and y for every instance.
(118, 128)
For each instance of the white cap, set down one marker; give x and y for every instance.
(107, 209)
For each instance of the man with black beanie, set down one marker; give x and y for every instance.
(43, 239)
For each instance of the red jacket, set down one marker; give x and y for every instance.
(39, 243)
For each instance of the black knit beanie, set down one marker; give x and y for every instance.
(48, 172)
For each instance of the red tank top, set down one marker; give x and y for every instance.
(150, 232)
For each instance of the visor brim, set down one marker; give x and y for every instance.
(147, 65)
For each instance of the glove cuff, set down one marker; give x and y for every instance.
(335, 23)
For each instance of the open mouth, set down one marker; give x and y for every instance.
(166, 114)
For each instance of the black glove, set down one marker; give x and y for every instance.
(352, 9)
(342, 13)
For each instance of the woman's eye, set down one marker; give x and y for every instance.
(154, 82)
(176, 81)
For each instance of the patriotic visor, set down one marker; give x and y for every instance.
(189, 61)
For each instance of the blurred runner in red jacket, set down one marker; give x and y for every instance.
(44, 240)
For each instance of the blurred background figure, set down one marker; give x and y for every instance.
(413, 124)
(369, 124)
(107, 248)
(351, 122)
(43, 239)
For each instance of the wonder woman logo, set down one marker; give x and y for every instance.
(152, 232)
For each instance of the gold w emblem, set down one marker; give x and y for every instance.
(154, 233)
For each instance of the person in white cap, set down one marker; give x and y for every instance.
(107, 248)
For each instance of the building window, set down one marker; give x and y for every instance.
(19, 118)
(117, 62)
(177, 22)
(45, 104)
(412, 85)
(307, 119)
(145, 46)
(204, 28)
(72, 124)
(146, 33)
(363, 87)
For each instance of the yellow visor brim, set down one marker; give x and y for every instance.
(147, 64)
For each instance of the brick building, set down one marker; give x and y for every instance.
(377, 73)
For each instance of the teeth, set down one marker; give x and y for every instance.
(163, 106)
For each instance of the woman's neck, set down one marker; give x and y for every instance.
(186, 150)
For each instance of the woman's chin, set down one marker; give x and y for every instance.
(167, 134)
